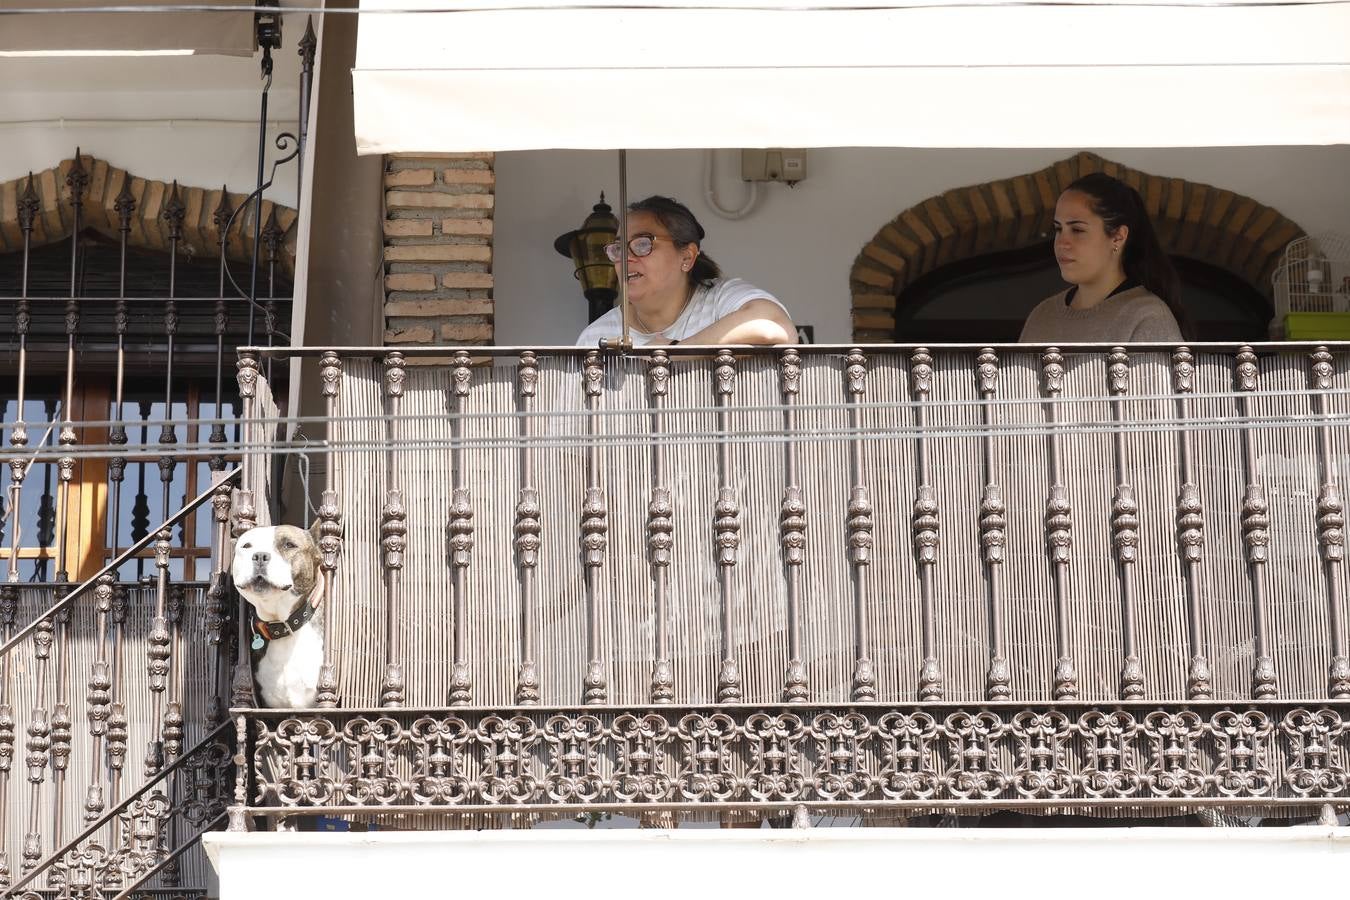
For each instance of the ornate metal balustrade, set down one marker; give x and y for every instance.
(922, 577)
(157, 655)
(148, 833)
(848, 757)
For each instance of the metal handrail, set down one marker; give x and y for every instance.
(150, 537)
(478, 352)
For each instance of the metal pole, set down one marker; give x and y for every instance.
(623, 245)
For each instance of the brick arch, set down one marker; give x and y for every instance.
(149, 230)
(1199, 221)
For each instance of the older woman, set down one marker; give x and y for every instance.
(676, 293)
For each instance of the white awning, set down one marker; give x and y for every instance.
(967, 75)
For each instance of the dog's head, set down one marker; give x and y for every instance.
(275, 567)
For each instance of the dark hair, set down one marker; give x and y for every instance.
(684, 229)
(1144, 261)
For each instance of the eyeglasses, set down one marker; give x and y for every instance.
(638, 245)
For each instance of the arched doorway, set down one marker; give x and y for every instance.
(973, 261)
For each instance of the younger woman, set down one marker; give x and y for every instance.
(1124, 286)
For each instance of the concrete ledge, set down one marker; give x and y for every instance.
(1032, 863)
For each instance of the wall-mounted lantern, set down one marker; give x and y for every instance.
(585, 246)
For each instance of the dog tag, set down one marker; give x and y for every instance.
(257, 641)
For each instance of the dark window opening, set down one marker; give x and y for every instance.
(985, 299)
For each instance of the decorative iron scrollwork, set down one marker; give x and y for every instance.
(944, 756)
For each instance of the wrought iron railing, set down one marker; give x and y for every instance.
(147, 834)
(182, 630)
(922, 578)
(916, 758)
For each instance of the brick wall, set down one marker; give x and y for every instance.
(438, 248)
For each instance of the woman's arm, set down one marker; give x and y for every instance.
(757, 322)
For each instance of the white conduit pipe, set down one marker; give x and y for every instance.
(710, 193)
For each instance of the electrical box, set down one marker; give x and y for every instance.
(788, 166)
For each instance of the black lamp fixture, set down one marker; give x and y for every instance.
(585, 246)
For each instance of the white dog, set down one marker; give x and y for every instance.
(276, 569)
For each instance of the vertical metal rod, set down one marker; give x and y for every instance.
(393, 535)
(594, 533)
(858, 526)
(792, 528)
(38, 744)
(221, 216)
(125, 206)
(330, 528)
(1330, 524)
(1124, 525)
(9, 611)
(117, 715)
(266, 64)
(28, 204)
(173, 713)
(726, 527)
(218, 600)
(18, 435)
(161, 638)
(1255, 530)
(993, 535)
(238, 820)
(99, 699)
(308, 44)
(246, 374)
(174, 212)
(461, 529)
(527, 531)
(77, 181)
(624, 338)
(659, 529)
(271, 237)
(925, 526)
(1190, 528)
(158, 652)
(1058, 528)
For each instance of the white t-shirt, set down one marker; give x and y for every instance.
(710, 302)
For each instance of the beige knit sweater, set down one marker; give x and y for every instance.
(1132, 315)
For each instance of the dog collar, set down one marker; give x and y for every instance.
(270, 631)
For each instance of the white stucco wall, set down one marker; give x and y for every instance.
(1105, 863)
(801, 242)
(190, 118)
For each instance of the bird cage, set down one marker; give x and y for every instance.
(1314, 275)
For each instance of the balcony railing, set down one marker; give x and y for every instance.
(1073, 577)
